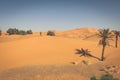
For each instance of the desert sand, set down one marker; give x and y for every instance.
(17, 52)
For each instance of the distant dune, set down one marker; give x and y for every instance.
(77, 33)
(29, 50)
(83, 30)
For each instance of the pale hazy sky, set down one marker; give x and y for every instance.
(43, 15)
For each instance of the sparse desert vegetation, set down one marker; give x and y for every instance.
(105, 77)
(50, 33)
(12, 31)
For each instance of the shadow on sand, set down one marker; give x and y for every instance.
(85, 53)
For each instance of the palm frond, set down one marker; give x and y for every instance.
(117, 33)
(105, 35)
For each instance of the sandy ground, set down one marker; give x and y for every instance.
(18, 51)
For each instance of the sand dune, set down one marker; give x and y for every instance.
(82, 30)
(77, 33)
(28, 50)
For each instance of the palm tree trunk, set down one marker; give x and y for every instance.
(116, 42)
(103, 49)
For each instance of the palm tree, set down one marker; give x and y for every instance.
(105, 35)
(117, 34)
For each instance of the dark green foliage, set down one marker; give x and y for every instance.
(29, 31)
(50, 33)
(22, 32)
(12, 31)
(93, 78)
(105, 35)
(0, 32)
(104, 77)
(108, 77)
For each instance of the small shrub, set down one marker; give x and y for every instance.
(50, 33)
(108, 77)
(29, 31)
(93, 78)
(11, 31)
(104, 77)
(0, 32)
(22, 32)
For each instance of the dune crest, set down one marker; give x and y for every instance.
(77, 33)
